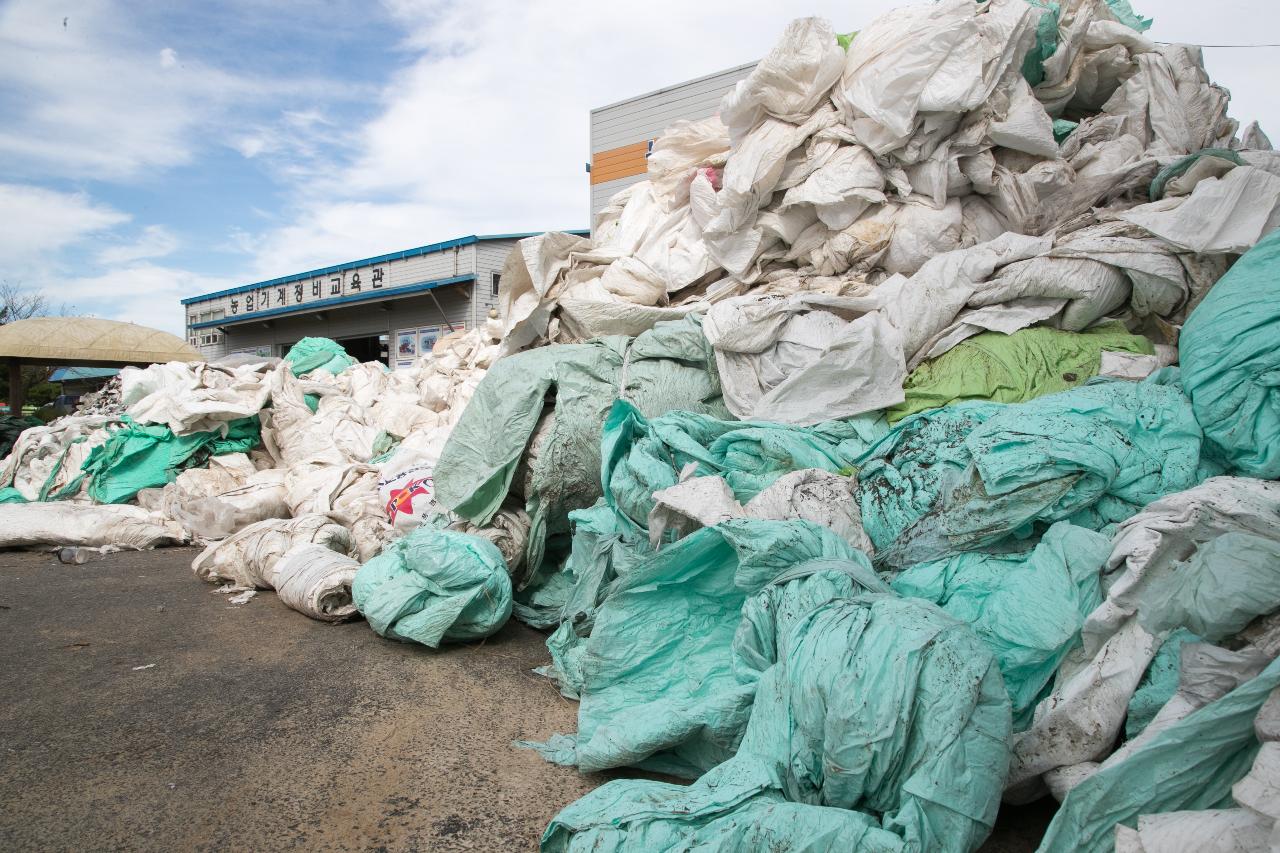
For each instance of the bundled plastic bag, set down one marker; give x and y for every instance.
(315, 580)
(1191, 765)
(1219, 537)
(880, 724)
(248, 557)
(1230, 361)
(35, 525)
(435, 586)
(311, 354)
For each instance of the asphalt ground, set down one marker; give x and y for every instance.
(143, 711)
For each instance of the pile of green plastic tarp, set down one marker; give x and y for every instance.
(1189, 766)
(667, 674)
(972, 474)
(434, 586)
(1013, 368)
(1231, 363)
(311, 354)
(667, 368)
(136, 457)
(643, 455)
(881, 725)
(1028, 608)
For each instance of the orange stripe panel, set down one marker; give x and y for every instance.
(622, 162)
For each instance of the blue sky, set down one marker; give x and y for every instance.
(151, 151)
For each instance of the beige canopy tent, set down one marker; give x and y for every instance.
(84, 341)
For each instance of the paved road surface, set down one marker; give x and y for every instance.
(141, 711)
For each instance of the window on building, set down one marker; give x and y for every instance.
(218, 315)
(497, 277)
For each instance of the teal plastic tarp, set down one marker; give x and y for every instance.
(663, 683)
(969, 475)
(434, 586)
(882, 726)
(1028, 608)
(311, 354)
(1231, 363)
(136, 457)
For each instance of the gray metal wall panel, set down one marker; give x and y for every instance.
(601, 193)
(647, 116)
(491, 255)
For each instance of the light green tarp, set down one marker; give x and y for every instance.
(966, 476)
(883, 726)
(663, 683)
(311, 354)
(1231, 362)
(1126, 15)
(1188, 766)
(1013, 368)
(137, 457)
(1046, 40)
(10, 495)
(667, 368)
(1028, 608)
(1180, 167)
(434, 586)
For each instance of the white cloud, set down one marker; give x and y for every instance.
(142, 293)
(486, 132)
(85, 100)
(39, 222)
(155, 241)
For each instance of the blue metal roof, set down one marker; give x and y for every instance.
(64, 374)
(320, 305)
(429, 249)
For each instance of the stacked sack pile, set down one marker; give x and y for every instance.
(906, 444)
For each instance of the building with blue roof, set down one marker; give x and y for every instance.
(388, 308)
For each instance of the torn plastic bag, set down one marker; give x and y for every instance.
(315, 580)
(919, 766)
(1094, 456)
(310, 354)
(216, 501)
(46, 460)
(1013, 368)
(38, 525)
(1230, 362)
(508, 530)
(435, 586)
(1191, 765)
(1028, 608)
(248, 557)
(657, 679)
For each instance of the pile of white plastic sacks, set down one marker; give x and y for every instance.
(851, 215)
(332, 475)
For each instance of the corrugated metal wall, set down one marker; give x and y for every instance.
(644, 118)
(490, 256)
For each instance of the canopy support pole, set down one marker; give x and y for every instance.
(15, 387)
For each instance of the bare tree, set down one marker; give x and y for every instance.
(18, 303)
